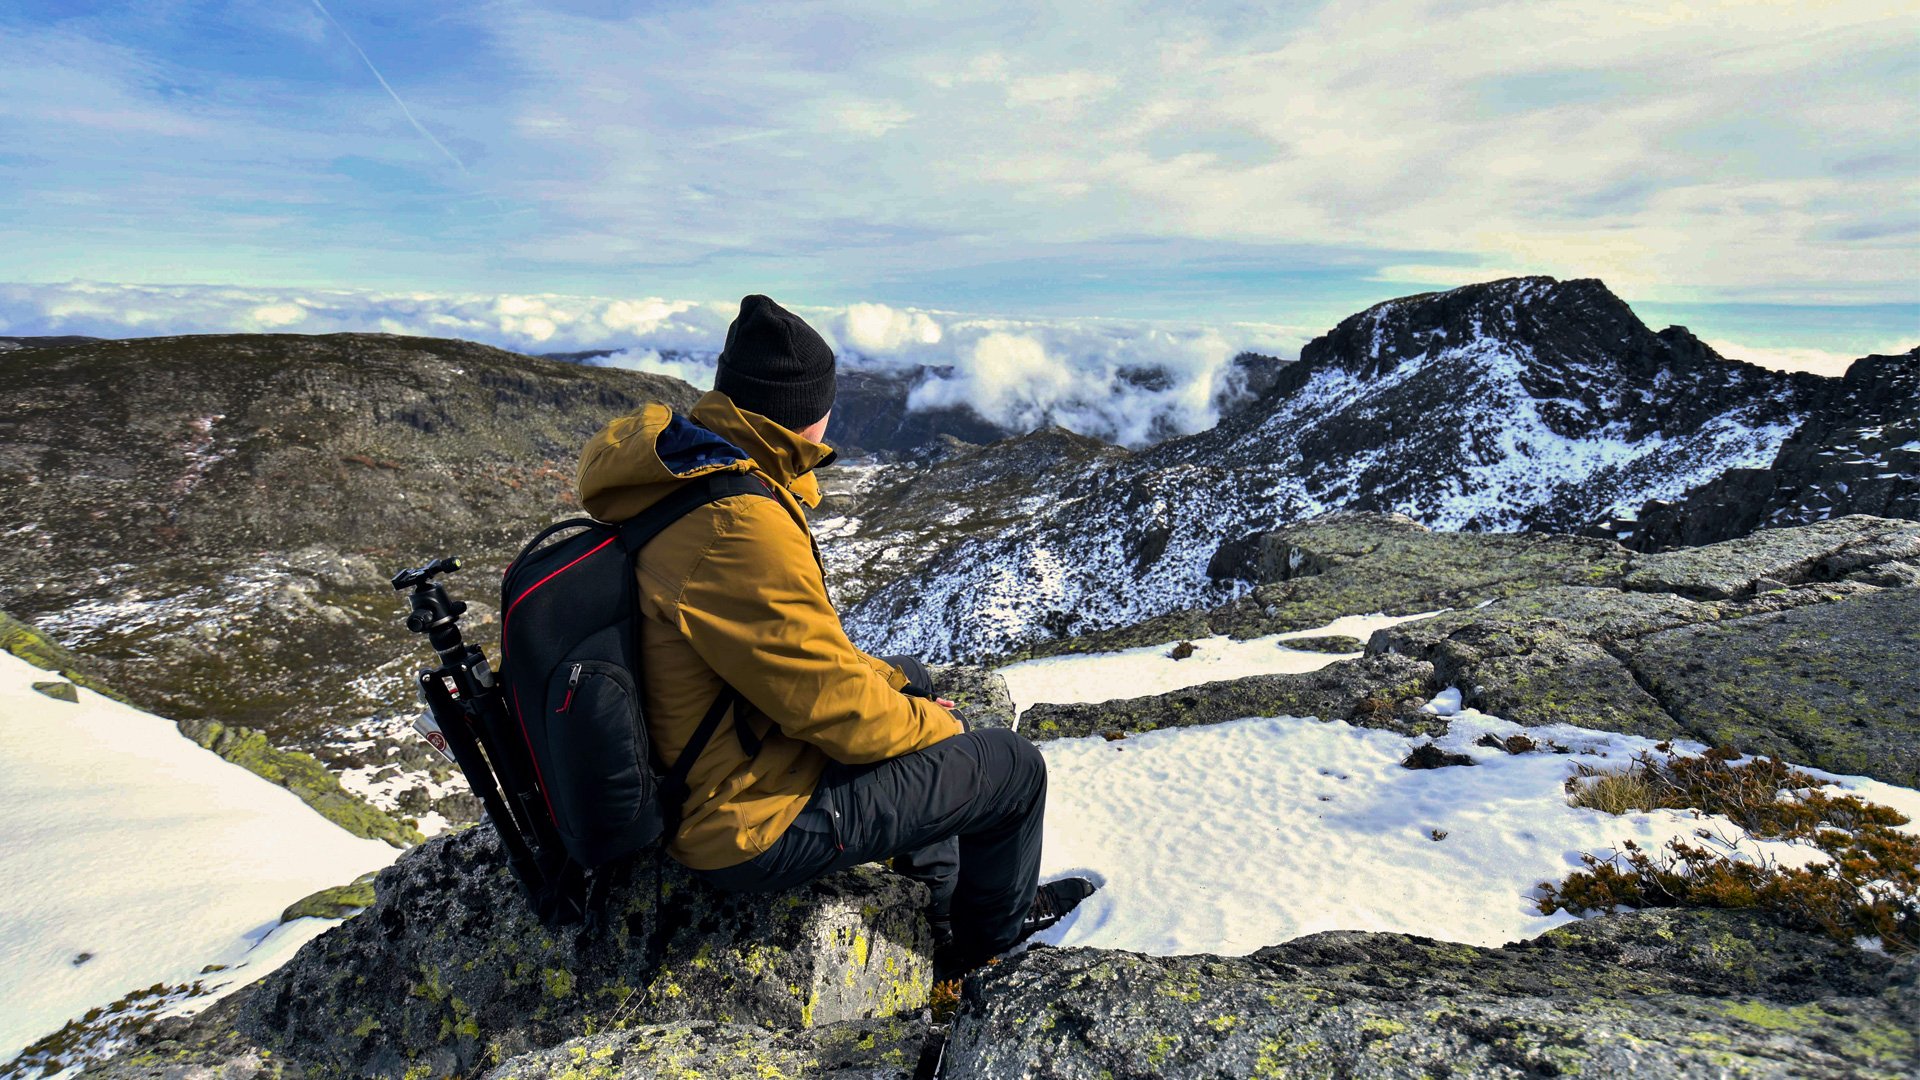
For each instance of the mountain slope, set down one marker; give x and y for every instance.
(214, 519)
(1519, 404)
(1857, 453)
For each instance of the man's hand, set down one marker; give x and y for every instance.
(943, 703)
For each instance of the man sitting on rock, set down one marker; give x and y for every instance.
(831, 757)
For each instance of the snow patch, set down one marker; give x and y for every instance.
(1227, 838)
(128, 843)
(1151, 669)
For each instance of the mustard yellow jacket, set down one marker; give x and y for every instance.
(735, 592)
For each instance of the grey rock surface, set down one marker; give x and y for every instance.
(449, 972)
(1653, 994)
(886, 1049)
(1798, 642)
(1776, 558)
(1383, 691)
(979, 693)
(1835, 685)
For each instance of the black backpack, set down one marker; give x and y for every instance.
(576, 767)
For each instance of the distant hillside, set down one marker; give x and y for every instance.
(8, 344)
(215, 518)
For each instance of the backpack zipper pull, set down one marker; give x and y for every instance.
(573, 681)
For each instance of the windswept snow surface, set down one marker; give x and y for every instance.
(1230, 837)
(125, 841)
(1151, 670)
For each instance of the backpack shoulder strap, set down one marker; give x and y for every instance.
(644, 526)
(635, 532)
(558, 526)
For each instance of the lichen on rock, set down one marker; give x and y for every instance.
(1655, 994)
(448, 971)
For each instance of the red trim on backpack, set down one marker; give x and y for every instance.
(524, 735)
(537, 584)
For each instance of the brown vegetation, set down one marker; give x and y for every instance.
(1868, 884)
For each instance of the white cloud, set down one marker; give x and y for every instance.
(1686, 153)
(278, 315)
(1817, 361)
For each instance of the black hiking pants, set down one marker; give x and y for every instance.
(963, 816)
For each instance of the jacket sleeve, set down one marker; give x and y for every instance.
(756, 610)
(894, 676)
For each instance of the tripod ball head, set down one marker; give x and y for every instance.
(420, 575)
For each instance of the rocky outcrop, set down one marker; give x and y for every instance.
(979, 693)
(1376, 691)
(888, 1049)
(1654, 994)
(1794, 642)
(448, 973)
(1858, 452)
(1835, 685)
(1859, 547)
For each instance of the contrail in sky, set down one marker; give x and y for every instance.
(388, 87)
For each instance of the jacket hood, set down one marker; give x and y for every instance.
(636, 460)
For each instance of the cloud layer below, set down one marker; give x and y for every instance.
(1127, 381)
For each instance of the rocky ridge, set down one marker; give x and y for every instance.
(211, 521)
(1857, 453)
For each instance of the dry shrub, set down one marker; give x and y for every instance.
(1614, 792)
(945, 1000)
(1869, 885)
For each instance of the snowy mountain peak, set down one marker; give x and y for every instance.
(1526, 403)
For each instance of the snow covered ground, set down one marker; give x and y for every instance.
(133, 857)
(1227, 838)
(1126, 673)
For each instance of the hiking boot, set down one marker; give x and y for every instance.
(1051, 903)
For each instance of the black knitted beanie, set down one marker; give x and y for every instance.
(776, 365)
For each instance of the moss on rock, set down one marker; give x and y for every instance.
(448, 971)
(36, 648)
(303, 775)
(336, 902)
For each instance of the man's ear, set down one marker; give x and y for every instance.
(816, 431)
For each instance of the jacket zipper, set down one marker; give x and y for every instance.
(573, 681)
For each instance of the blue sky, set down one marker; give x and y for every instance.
(1750, 169)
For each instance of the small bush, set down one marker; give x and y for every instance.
(1614, 792)
(945, 1000)
(1869, 884)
